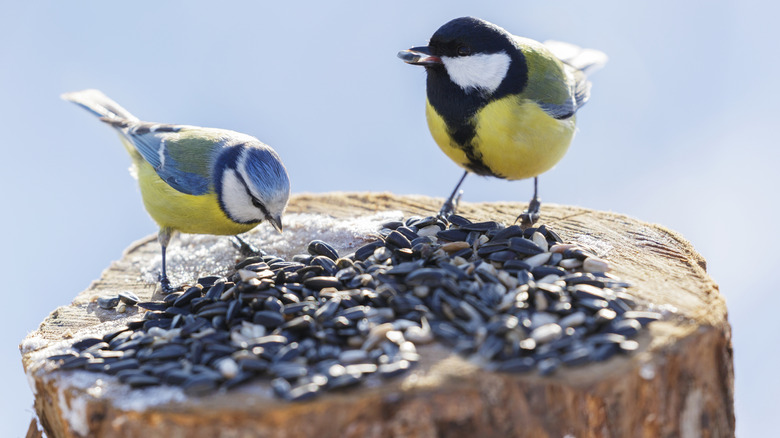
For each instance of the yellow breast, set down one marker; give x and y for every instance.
(515, 138)
(179, 211)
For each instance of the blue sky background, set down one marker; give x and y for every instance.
(680, 131)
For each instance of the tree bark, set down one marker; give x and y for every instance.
(679, 383)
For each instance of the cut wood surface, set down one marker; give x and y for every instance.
(679, 383)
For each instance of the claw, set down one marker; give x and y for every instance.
(165, 284)
(245, 248)
(530, 216)
(451, 204)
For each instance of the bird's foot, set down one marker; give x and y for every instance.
(530, 216)
(246, 249)
(450, 206)
(165, 285)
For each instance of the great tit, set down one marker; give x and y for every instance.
(196, 180)
(499, 104)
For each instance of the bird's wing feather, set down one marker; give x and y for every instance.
(181, 155)
(557, 79)
(549, 83)
(99, 104)
(587, 60)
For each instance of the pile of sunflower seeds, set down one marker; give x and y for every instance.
(509, 299)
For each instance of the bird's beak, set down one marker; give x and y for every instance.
(419, 56)
(276, 222)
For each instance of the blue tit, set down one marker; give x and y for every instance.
(196, 180)
(502, 105)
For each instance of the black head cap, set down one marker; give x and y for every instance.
(467, 35)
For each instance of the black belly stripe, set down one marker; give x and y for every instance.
(463, 136)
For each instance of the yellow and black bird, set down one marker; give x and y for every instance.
(499, 104)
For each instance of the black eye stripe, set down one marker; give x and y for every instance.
(256, 202)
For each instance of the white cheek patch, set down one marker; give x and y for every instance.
(481, 71)
(238, 204)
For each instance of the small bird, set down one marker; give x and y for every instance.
(499, 104)
(197, 180)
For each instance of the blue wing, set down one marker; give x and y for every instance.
(180, 157)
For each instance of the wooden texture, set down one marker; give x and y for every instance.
(679, 384)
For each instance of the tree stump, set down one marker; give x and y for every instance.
(678, 384)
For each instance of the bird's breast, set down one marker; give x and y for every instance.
(196, 214)
(513, 139)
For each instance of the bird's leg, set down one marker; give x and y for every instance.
(529, 217)
(245, 248)
(164, 237)
(451, 204)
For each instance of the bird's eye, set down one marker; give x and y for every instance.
(256, 202)
(464, 51)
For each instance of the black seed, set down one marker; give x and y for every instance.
(552, 236)
(576, 253)
(176, 311)
(490, 248)
(208, 281)
(367, 250)
(502, 256)
(86, 343)
(213, 309)
(296, 308)
(95, 365)
(394, 369)
(481, 226)
(604, 351)
(577, 356)
(508, 232)
(268, 318)
(328, 265)
(320, 309)
(524, 246)
(57, 357)
(548, 366)
(237, 380)
(583, 278)
(328, 309)
(287, 353)
(192, 327)
(171, 297)
(408, 233)
(398, 240)
(107, 302)
(625, 327)
(142, 380)
(74, 363)
(153, 305)
(200, 384)
(458, 220)
(644, 318)
(540, 272)
(516, 265)
(129, 298)
(453, 235)
(318, 283)
(318, 247)
(170, 351)
(187, 296)
(217, 290)
(281, 388)
(392, 225)
(516, 365)
(257, 366)
(288, 370)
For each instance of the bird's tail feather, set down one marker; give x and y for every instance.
(586, 60)
(99, 104)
